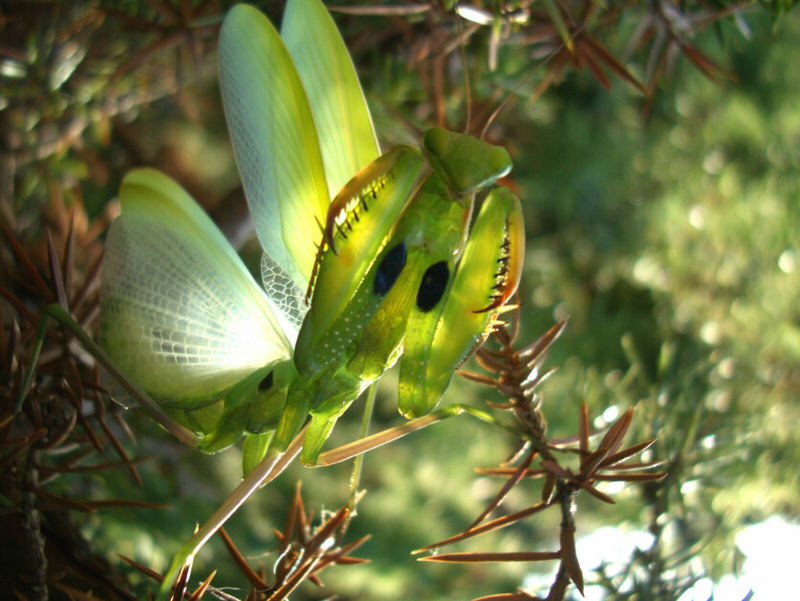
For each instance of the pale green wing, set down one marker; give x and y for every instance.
(274, 141)
(346, 135)
(181, 315)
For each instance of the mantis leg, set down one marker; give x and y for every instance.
(58, 314)
(373, 441)
(267, 470)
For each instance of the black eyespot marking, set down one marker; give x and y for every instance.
(265, 384)
(434, 281)
(389, 269)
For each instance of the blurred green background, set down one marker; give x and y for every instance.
(666, 229)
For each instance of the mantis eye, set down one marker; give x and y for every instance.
(389, 269)
(265, 384)
(432, 287)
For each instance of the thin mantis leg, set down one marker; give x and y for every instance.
(57, 313)
(355, 476)
(267, 470)
(368, 443)
(271, 466)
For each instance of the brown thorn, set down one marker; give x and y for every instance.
(179, 586)
(638, 477)
(500, 355)
(344, 561)
(121, 422)
(501, 406)
(68, 263)
(62, 436)
(349, 548)
(562, 441)
(97, 467)
(252, 577)
(507, 471)
(33, 273)
(548, 488)
(601, 53)
(24, 443)
(295, 508)
(87, 428)
(486, 527)
(8, 349)
(301, 524)
(507, 486)
(295, 579)
(598, 494)
(544, 341)
(119, 448)
(616, 433)
(125, 503)
(60, 502)
(487, 362)
(520, 595)
(516, 318)
(324, 532)
(201, 590)
(629, 452)
(142, 568)
(569, 557)
(583, 430)
(480, 379)
(493, 557)
(590, 463)
(285, 565)
(556, 470)
(582, 51)
(517, 453)
(635, 465)
(56, 274)
(91, 278)
(540, 378)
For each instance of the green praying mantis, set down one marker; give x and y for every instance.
(369, 260)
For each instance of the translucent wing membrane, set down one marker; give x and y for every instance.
(274, 140)
(181, 315)
(286, 297)
(346, 136)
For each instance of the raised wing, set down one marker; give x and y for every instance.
(274, 140)
(344, 126)
(181, 315)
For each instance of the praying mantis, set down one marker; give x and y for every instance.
(369, 260)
